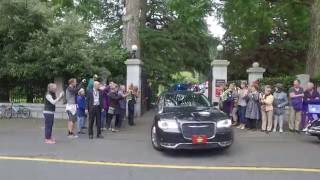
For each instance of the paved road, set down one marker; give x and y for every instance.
(129, 155)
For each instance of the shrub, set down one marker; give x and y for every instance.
(285, 80)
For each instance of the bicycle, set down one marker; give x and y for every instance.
(2, 111)
(17, 111)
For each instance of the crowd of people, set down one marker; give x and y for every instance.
(104, 105)
(247, 105)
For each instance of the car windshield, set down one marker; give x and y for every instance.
(186, 100)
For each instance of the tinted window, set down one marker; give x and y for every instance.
(185, 100)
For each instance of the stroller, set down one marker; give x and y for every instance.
(313, 127)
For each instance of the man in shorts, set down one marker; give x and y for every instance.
(71, 106)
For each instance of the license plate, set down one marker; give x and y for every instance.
(199, 139)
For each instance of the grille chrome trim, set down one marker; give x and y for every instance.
(197, 122)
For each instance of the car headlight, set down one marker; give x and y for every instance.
(168, 126)
(224, 123)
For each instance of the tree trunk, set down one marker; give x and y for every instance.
(131, 23)
(313, 56)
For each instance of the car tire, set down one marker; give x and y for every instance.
(154, 139)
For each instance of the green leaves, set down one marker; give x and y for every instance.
(274, 33)
(178, 41)
(37, 42)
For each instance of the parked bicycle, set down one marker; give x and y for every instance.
(17, 111)
(2, 111)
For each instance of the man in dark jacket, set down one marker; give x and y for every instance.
(311, 96)
(94, 106)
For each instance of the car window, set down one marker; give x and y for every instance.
(185, 100)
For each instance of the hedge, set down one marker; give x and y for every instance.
(287, 81)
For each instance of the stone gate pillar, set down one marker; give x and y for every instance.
(134, 67)
(255, 73)
(219, 78)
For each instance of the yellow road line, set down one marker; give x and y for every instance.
(164, 166)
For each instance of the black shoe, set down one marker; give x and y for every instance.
(100, 137)
(81, 132)
(90, 136)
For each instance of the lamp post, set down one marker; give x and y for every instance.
(219, 49)
(134, 49)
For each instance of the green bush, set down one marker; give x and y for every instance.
(285, 80)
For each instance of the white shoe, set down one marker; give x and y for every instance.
(281, 131)
(305, 129)
(274, 130)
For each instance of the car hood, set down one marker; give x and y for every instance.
(193, 114)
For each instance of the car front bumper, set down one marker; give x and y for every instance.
(314, 131)
(223, 138)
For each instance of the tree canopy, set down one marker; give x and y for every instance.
(274, 33)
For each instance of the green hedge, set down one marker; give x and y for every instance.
(287, 81)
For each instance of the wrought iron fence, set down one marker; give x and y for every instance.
(26, 91)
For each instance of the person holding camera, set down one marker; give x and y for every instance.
(266, 101)
(71, 104)
(279, 104)
(253, 109)
(50, 102)
(131, 98)
(94, 108)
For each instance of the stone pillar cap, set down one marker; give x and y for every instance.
(220, 62)
(256, 70)
(133, 62)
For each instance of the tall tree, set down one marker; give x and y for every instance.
(274, 33)
(132, 19)
(313, 58)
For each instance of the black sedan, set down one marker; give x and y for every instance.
(186, 120)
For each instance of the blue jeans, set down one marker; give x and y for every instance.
(81, 122)
(48, 121)
(242, 114)
(103, 119)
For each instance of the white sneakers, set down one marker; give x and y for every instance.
(275, 130)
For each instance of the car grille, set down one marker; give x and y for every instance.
(190, 129)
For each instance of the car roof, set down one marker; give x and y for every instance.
(177, 92)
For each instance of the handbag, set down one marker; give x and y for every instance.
(111, 110)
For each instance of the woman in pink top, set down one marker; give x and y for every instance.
(267, 109)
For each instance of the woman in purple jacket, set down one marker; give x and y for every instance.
(106, 104)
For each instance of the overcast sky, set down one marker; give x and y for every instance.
(215, 29)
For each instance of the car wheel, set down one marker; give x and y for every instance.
(154, 139)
